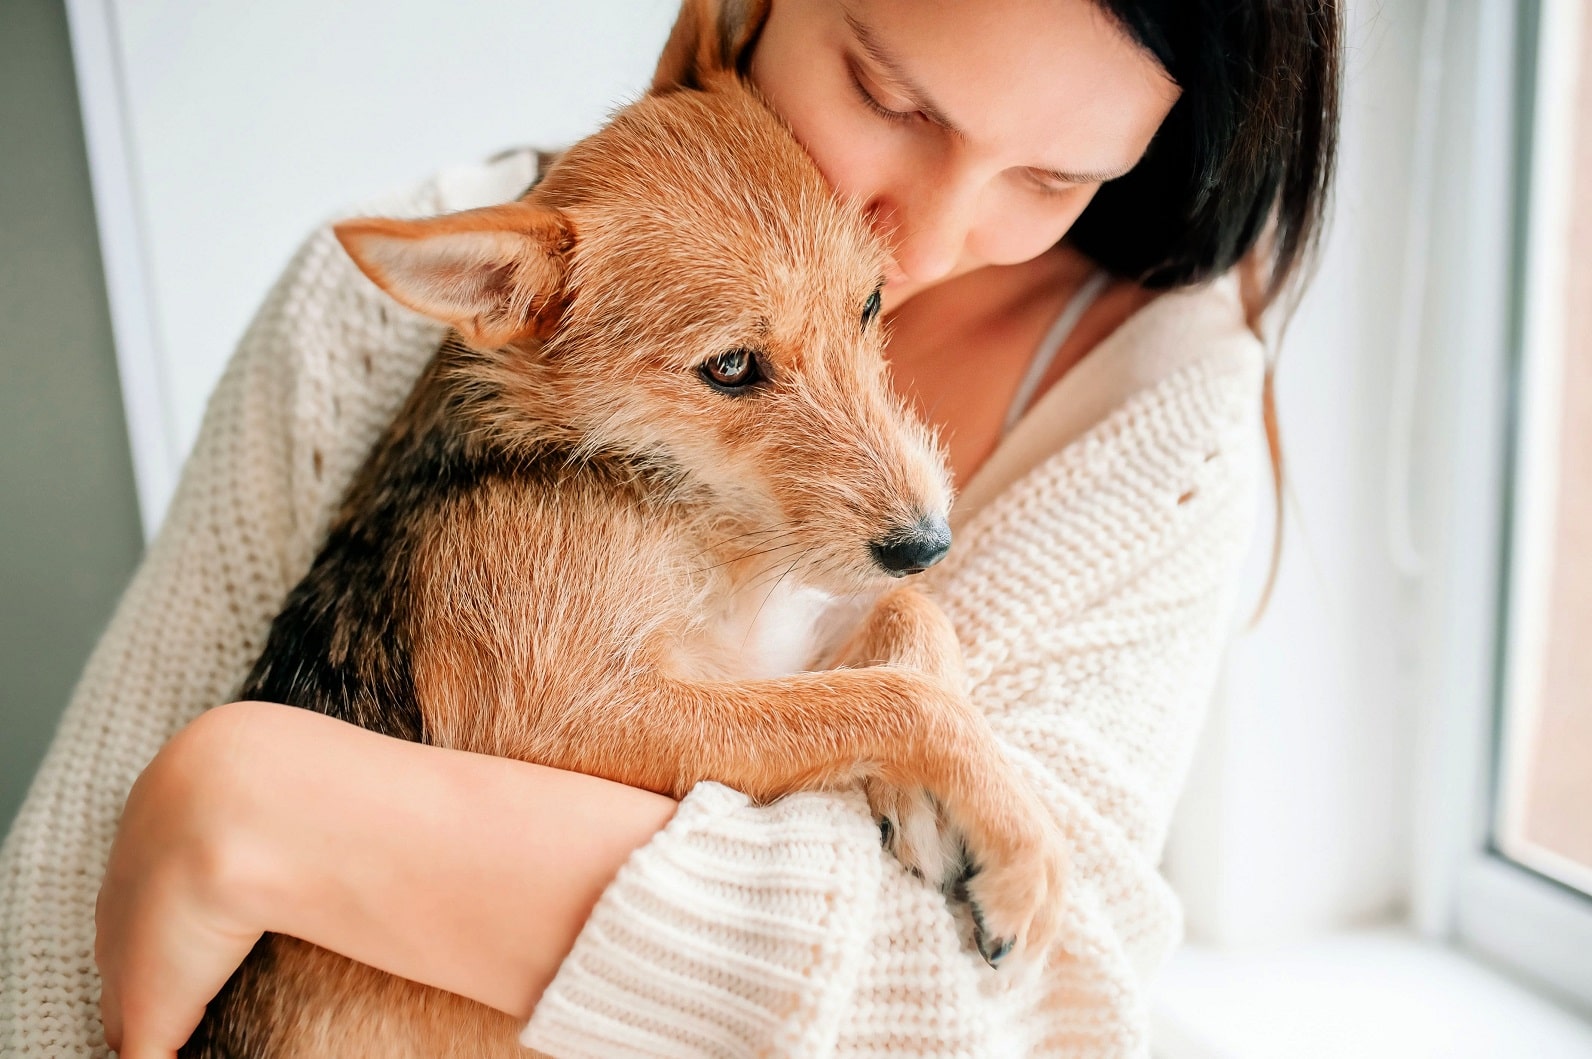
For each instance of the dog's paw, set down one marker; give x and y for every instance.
(1015, 897)
(914, 829)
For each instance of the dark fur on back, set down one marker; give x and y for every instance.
(343, 643)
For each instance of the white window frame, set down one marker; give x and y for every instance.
(1492, 344)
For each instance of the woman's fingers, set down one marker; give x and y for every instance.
(164, 962)
(110, 1003)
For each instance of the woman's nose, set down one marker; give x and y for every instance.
(926, 225)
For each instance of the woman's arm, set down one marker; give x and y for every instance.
(469, 873)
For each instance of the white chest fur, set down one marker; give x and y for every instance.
(770, 632)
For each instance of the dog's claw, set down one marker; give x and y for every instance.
(1014, 903)
(993, 950)
(886, 831)
(994, 954)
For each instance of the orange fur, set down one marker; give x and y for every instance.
(612, 566)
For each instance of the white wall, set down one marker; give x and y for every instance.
(242, 125)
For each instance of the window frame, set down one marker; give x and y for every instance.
(1494, 352)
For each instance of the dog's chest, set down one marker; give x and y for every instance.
(759, 632)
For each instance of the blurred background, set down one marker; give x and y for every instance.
(1386, 844)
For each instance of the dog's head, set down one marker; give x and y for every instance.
(683, 287)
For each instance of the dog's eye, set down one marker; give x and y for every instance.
(870, 309)
(731, 372)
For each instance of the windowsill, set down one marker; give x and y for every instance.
(1382, 994)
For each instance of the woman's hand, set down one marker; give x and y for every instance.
(173, 917)
(473, 874)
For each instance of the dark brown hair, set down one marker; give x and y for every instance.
(1239, 174)
(1246, 152)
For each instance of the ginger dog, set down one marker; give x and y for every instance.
(658, 434)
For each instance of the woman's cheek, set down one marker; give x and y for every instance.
(856, 156)
(1018, 231)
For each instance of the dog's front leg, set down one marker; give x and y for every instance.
(824, 730)
(905, 627)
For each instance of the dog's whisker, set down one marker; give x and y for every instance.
(756, 579)
(716, 547)
(763, 550)
(755, 554)
(766, 531)
(760, 577)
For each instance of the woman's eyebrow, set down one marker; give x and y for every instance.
(929, 109)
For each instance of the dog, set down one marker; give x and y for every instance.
(662, 412)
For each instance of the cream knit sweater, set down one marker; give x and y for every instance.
(1090, 583)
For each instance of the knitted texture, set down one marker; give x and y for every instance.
(1091, 598)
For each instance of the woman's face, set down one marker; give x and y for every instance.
(974, 131)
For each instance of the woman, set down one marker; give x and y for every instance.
(1070, 189)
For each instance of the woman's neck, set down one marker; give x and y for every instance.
(958, 350)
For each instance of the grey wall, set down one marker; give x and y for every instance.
(69, 532)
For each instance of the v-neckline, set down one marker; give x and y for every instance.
(1118, 366)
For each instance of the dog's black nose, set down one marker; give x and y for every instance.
(913, 549)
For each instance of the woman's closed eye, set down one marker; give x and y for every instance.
(1045, 184)
(899, 111)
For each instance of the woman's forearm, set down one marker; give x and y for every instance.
(470, 873)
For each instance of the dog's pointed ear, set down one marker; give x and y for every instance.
(709, 37)
(494, 275)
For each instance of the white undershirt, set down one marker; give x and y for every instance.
(1045, 353)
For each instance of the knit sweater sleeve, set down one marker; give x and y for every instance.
(320, 371)
(1092, 599)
